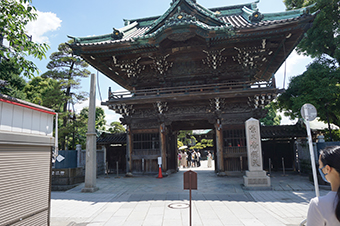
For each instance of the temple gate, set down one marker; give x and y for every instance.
(193, 68)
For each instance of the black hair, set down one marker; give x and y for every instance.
(331, 156)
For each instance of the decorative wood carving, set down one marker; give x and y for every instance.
(180, 17)
(254, 57)
(161, 107)
(217, 104)
(260, 101)
(214, 58)
(131, 67)
(123, 109)
(160, 64)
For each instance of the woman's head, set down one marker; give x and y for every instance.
(329, 161)
(330, 156)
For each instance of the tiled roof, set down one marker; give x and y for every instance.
(284, 131)
(226, 18)
(108, 138)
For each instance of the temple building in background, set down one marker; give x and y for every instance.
(193, 68)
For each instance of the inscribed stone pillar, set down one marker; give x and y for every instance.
(163, 146)
(91, 158)
(255, 176)
(219, 149)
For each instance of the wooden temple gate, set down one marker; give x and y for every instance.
(193, 68)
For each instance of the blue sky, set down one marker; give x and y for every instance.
(81, 18)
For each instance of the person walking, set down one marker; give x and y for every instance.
(184, 159)
(198, 158)
(325, 210)
(209, 159)
(189, 159)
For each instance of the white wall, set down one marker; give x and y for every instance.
(20, 119)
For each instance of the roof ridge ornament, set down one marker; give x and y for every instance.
(256, 17)
(180, 17)
(116, 34)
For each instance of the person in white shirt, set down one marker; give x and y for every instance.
(325, 210)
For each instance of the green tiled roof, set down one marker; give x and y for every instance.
(225, 19)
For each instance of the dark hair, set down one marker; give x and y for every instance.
(331, 156)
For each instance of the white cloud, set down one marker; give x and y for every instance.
(46, 21)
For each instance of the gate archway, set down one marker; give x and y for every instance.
(189, 65)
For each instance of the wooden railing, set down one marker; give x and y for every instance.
(219, 87)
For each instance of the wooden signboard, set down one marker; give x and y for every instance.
(190, 180)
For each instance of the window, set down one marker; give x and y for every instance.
(234, 138)
(144, 141)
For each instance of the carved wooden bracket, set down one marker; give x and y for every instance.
(161, 107)
(122, 109)
(217, 104)
(252, 57)
(131, 67)
(160, 64)
(260, 100)
(214, 58)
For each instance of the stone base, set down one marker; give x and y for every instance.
(89, 190)
(256, 179)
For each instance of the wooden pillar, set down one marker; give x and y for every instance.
(163, 146)
(219, 147)
(129, 147)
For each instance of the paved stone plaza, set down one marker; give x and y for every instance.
(144, 200)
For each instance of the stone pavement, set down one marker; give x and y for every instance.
(145, 200)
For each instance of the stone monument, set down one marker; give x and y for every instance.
(255, 176)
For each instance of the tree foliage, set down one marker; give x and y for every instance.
(319, 85)
(77, 126)
(14, 16)
(323, 37)
(45, 92)
(10, 72)
(100, 117)
(67, 69)
(271, 118)
(116, 127)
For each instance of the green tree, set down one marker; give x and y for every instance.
(319, 85)
(271, 118)
(14, 16)
(77, 134)
(203, 144)
(116, 127)
(67, 69)
(100, 117)
(45, 91)
(10, 72)
(323, 37)
(179, 144)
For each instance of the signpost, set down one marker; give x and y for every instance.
(309, 113)
(190, 183)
